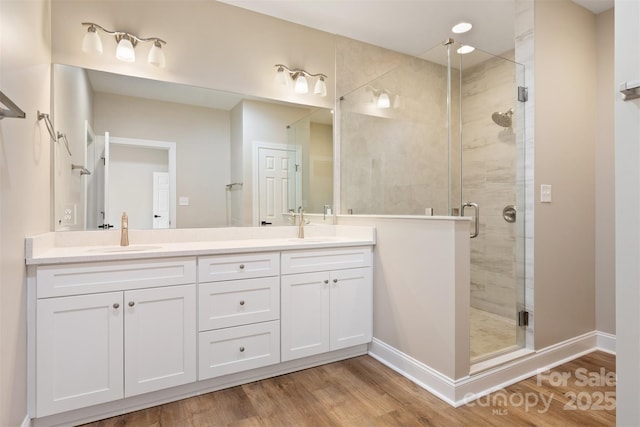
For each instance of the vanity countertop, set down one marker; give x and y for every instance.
(92, 246)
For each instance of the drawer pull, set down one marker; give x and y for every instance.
(131, 303)
(326, 281)
(335, 280)
(241, 349)
(241, 266)
(242, 302)
(116, 305)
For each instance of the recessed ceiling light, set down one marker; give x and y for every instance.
(462, 27)
(465, 49)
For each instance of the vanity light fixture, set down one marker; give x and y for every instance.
(301, 85)
(461, 27)
(127, 42)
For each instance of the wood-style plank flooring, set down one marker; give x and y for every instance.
(363, 392)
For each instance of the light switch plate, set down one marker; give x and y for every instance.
(545, 193)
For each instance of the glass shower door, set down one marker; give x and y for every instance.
(491, 163)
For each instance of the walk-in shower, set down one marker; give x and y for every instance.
(439, 152)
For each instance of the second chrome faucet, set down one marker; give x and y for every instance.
(124, 230)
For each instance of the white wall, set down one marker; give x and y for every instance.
(565, 115)
(421, 289)
(627, 194)
(25, 194)
(605, 177)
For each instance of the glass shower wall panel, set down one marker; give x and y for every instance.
(394, 143)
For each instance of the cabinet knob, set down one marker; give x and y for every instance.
(116, 305)
(326, 281)
(241, 349)
(335, 280)
(241, 266)
(131, 303)
(242, 302)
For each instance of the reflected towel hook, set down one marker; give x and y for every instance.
(83, 170)
(56, 136)
(63, 136)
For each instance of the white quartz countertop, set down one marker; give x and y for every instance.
(92, 246)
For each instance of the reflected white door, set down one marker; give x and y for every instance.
(161, 200)
(276, 188)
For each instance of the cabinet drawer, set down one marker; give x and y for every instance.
(230, 350)
(84, 278)
(243, 266)
(238, 302)
(325, 260)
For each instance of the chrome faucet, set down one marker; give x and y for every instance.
(124, 230)
(301, 224)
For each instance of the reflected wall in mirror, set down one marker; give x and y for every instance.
(120, 128)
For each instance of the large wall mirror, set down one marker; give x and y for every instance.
(178, 156)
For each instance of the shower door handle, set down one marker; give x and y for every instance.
(476, 213)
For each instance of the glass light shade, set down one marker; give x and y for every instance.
(301, 85)
(461, 27)
(124, 51)
(383, 101)
(397, 102)
(465, 49)
(282, 77)
(91, 42)
(156, 55)
(320, 88)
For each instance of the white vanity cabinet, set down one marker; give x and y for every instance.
(105, 331)
(239, 312)
(113, 330)
(327, 298)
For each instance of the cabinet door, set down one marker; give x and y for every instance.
(304, 315)
(160, 338)
(79, 358)
(351, 307)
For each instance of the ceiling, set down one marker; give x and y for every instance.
(408, 26)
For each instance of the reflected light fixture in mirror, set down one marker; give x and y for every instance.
(127, 42)
(301, 85)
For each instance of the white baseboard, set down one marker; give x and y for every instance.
(458, 392)
(421, 374)
(606, 342)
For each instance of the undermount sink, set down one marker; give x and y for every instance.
(314, 240)
(120, 249)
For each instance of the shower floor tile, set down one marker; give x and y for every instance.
(491, 334)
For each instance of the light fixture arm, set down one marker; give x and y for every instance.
(294, 73)
(119, 35)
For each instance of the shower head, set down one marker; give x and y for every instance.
(503, 119)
